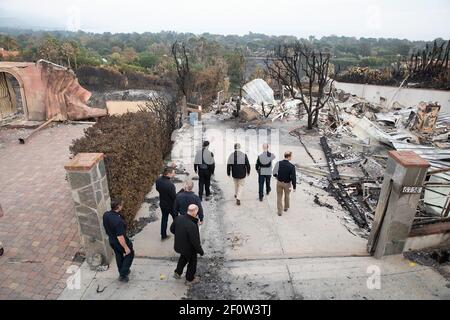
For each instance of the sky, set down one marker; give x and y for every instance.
(404, 19)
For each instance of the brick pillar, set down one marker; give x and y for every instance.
(87, 178)
(397, 205)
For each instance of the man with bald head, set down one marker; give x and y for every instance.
(187, 197)
(187, 244)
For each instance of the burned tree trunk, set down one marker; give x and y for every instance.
(184, 76)
(167, 114)
(305, 72)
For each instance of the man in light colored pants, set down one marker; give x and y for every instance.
(238, 187)
(286, 175)
(283, 188)
(238, 167)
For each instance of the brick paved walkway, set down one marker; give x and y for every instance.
(39, 231)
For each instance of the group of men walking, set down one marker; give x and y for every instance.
(284, 171)
(186, 209)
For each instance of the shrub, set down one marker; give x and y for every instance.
(134, 145)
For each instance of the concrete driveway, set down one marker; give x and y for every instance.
(252, 253)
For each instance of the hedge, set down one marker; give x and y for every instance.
(134, 149)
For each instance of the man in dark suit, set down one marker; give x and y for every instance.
(167, 195)
(204, 166)
(187, 244)
(187, 197)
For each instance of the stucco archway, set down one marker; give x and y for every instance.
(22, 92)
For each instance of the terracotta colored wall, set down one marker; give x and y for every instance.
(50, 90)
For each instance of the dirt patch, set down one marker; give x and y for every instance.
(438, 259)
(213, 284)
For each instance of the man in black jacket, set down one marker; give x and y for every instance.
(187, 244)
(185, 198)
(264, 168)
(204, 166)
(239, 168)
(286, 174)
(167, 194)
(115, 228)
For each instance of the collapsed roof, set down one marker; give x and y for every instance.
(257, 92)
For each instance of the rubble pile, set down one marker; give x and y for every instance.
(367, 132)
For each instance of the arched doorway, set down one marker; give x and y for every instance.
(12, 97)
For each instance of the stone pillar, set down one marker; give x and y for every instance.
(87, 178)
(397, 205)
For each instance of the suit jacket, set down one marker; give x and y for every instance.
(187, 235)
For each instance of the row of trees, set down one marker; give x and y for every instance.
(203, 65)
(146, 51)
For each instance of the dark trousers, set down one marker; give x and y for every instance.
(204, 182)
(191, 262)
(164, 219)
(261, 180)
(123, 262)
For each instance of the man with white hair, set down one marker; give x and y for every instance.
(187, 244)
(187, 197)
(264, 169)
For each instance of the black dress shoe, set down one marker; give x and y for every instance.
(165, 238)
(124, 279)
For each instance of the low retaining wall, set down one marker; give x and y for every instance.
(408, 97)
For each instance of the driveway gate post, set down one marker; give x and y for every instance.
(397, 205)
(87, 177)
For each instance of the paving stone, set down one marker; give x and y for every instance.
(38, 205)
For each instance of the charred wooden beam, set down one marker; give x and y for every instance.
(431, 228)
(334, 173)
(23, 139)
(342, 196)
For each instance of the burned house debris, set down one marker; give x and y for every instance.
(356, 136)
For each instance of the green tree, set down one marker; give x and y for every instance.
(50, 49)
(236, 69)
(69, 52)
(8, 43)
(147, 60)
